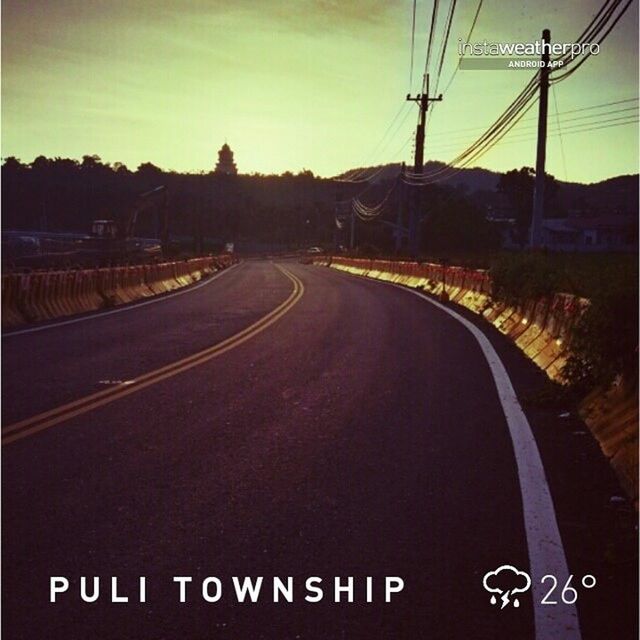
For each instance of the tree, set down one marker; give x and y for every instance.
(12, 165)
(455, 224)
(149, 172)
(91, 162)
(517, 186)
(120, 167)
(41, 164)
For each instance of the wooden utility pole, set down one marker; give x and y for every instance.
(541, 152)
(423, 100)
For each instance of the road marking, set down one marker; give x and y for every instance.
(52, 417)
(129, 307)
(544, 544)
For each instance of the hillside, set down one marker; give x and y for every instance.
(618, 195)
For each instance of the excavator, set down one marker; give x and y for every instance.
(109, 241)
(114, 240)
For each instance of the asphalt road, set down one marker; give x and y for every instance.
(358, 434)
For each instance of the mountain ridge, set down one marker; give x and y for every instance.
(615, 195)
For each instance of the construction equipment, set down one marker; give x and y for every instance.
(115, 239)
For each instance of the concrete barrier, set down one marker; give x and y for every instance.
(46, 295)
(612, 416)
(11, 313)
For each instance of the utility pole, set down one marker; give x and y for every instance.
(541, 151)
(423, 100)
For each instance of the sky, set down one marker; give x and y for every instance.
(298, 84)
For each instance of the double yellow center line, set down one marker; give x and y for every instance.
(37, 423)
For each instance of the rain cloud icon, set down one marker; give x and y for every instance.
(520, 580)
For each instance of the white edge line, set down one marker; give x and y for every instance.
(129, 307)
(544, 543)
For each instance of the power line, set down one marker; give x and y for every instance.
(445, 40)
(368, 213)
(595, 31)
(440, 146)
(505, 122)
(434, 17)
(501, 127)
(413, 40)
(523, 101)
(595, 106)
(473, 25)
(369, 183)
(582, 128)
(356, 175)
(443, 49)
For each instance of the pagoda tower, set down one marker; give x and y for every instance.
(226, 165)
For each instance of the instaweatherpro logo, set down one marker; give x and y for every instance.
(495, 582)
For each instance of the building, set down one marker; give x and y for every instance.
(599, 233)
(226, 165)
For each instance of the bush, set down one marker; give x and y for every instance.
(520, 277)
(604, 341)
(456, 225)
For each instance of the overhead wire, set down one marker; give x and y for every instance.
(368, 213)
(451, 169)
(356, 175)
(582, 128)
(586, 56)
(370, 183)
(473, 26)
(413, 41)
(580, 109)
(445, 41)
(434, 18)
(512, 114)
(439, 146)
(523, 102)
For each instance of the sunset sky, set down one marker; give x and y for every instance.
(294, 84)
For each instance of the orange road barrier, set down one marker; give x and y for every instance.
(11, 313)
(33, 289)
(612, 416)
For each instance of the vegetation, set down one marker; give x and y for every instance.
(517, 188)
(66, 195)
(521, 275)
(518, 277)
(456, 224)
(604, 342)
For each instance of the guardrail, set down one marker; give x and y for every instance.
(46, 295)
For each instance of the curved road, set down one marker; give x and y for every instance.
(358, 432)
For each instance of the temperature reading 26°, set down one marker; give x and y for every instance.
(568, 595)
